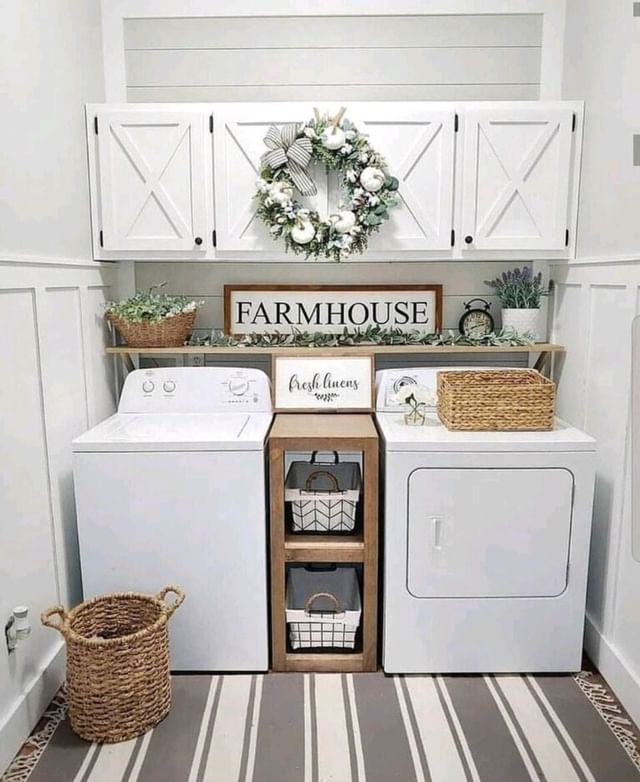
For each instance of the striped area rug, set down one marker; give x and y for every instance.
(357, 728)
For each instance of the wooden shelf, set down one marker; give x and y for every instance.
(323, 548)
(308, 432)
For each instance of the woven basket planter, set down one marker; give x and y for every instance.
(170, 332)
(510, 400)
(118, 681)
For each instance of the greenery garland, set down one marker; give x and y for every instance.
(368, 191)
(375, 335)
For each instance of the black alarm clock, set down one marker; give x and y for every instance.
(476, 321)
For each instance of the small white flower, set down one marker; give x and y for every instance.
(310, 132)
(347, 241)
(416, 394)
(275, 229)
(351, 175)
(364, 157)
(346, 149)
(350, 135)
(373, 200)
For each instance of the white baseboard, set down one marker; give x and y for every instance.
(620, 676)
(30, 706)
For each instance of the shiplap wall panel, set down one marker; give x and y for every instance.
(473, 57)
(339, 94)
(347, 32)
(507, 65)
(461, 280)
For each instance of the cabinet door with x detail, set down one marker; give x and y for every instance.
(517, 170)
(152, 180)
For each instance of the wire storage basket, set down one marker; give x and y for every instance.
(496, 400)
(323, 607)
(118, 680)
(170, 332)
(323, 496)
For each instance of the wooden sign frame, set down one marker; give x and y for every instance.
(230, 290)
(318, 364)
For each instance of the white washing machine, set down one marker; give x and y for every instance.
(171, 489)
(486, 543)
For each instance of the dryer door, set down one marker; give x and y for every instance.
(489, 532)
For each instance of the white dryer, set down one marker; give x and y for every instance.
(171, 489)
(486, 543)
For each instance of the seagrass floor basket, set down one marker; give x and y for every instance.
(497, 400)
(170, 332)
(118, 680)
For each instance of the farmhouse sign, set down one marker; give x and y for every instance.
(322, 382)
(266, 309)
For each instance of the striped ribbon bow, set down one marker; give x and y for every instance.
(285, 149)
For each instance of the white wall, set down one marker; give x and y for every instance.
(596, 299)
(56, 378)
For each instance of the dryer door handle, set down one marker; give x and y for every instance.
(436, 533)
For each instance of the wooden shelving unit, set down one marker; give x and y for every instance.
(324, 432)
(544, 350)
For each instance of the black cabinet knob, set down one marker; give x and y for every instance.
(468, 239)
(198, 240)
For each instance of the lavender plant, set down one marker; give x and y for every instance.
(519, 289)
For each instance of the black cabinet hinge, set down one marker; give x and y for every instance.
(573, 123)
(453, 237)
(101, 239)
(211, 123)
(214, 238)
(95, 125)
(566, 238)
(456, 123)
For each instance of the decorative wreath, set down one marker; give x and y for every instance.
(368, 191)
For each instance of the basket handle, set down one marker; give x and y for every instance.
(308, 484)
(46, 617)
(314, 454)
(335, 610)
(180, 596)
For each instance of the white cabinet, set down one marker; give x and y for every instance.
(477, 180)
(417, 141)
(149, 180)
(516, 179)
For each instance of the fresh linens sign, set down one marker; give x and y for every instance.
(331, 308)
(322, 382)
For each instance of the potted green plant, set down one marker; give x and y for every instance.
(520, 292)
(153, 319)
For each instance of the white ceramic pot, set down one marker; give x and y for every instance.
(526, 321)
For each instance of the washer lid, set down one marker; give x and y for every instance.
(177, 432)
(397, 436)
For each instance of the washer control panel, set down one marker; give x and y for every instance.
(195, 390)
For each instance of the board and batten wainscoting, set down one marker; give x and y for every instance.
(594, 304)
(58, 383)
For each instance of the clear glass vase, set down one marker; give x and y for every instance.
(415, 414)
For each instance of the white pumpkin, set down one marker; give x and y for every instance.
(281, 192)
(344, 221)
(372, 179)
(333, 138)
(303, 232)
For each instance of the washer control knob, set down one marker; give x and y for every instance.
(148, 386)
(238, 386)
(168, 386)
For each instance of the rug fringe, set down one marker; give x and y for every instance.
(608, 708)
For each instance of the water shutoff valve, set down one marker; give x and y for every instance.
(17, 627)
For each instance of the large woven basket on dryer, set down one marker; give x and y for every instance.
(497, 400)
(171, 332)
(118, 681)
